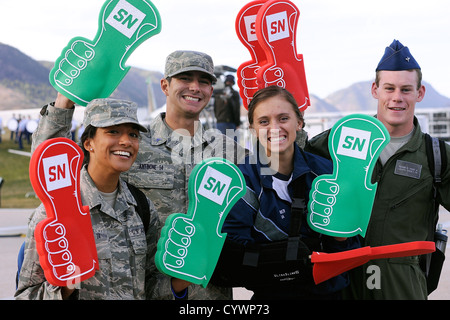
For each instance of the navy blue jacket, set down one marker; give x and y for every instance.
(240, 222)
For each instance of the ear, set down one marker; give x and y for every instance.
(300, 125)
(165, 86)
(87, 144)
(374, 90)
(421, 93)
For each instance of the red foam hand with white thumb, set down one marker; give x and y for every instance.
(246, 32)
(276, 30)
(64, 240)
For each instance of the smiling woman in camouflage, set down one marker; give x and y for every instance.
(125, 251)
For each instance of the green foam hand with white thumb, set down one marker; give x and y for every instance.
(191, 243)
(88, 70)
(340, 204)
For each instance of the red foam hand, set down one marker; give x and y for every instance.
(246, 32)
(276, 26)
(403, 249)
(65, 239)
(328, 265)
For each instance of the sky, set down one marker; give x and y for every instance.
(341, 41)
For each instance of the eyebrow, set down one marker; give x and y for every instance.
(277, 115)
(393, 85)
(191, 74)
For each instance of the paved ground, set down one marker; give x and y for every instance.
(14, 221)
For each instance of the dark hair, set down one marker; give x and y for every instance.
(89, 132)
(269, 92)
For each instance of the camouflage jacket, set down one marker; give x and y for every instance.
(162, 169)
(166, 159)
(125, 252)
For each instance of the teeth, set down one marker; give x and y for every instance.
(191, 98)
(277, 139)
(122, 153)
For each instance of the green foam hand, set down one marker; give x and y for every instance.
(88, 70)
(190, 244)
(340, 204)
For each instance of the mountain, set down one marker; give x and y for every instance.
(320, 106)
(24, 82)
(358, 97)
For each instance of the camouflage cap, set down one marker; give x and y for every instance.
(183, 61)
(102, 113)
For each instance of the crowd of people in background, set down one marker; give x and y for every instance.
(21, 128)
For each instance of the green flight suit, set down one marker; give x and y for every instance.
(403, 211)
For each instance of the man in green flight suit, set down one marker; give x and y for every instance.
(403, 209)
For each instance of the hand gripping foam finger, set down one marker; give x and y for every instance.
(276, 29)
(88, 70)
(246, 32)
(65, 239)
(191, 243)
(340, 204)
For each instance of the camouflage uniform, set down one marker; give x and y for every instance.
(126, 261)
(125, 251)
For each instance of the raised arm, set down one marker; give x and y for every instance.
(55, 122)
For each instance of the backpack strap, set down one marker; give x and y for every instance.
(437, 159)
(298, 208)
(298, 205)
(251, 199)
(261, 223)
(437, 162)
(142, 207)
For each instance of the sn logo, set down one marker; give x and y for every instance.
(214, 185)
(277, 26)
(250, 27)
(125, 18)
(354, 143)
(56, 172)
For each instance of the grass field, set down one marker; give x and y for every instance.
(14, 171)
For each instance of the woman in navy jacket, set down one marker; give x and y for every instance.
(261, 234)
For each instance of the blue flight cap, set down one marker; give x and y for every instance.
(396, 58)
